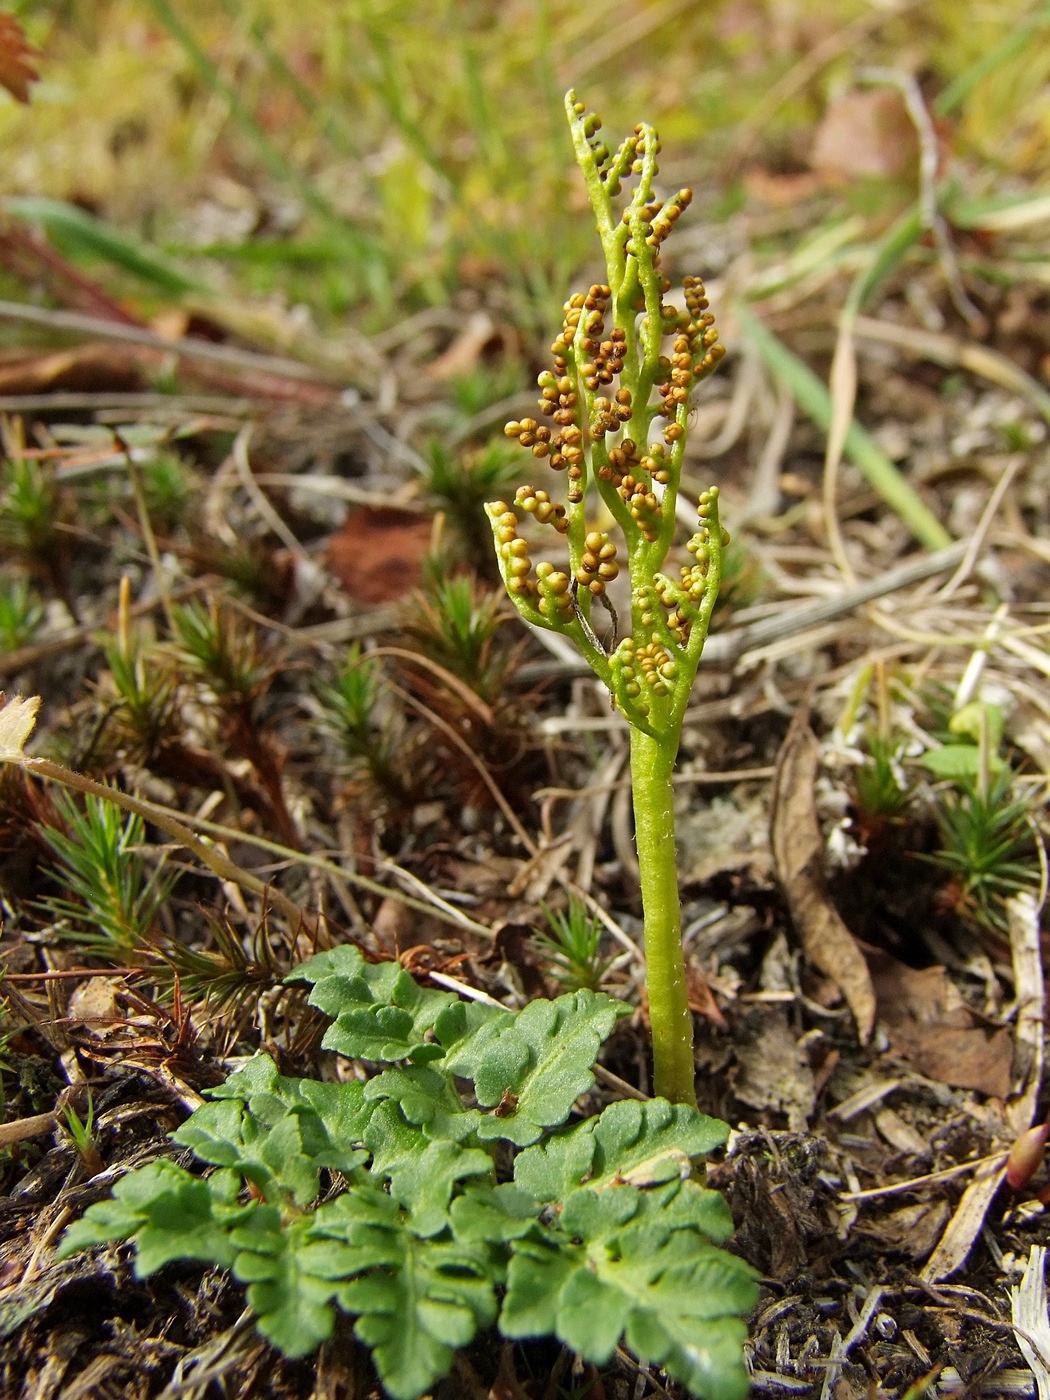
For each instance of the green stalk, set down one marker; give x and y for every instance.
(652, 764)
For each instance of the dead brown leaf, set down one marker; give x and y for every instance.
(780, 191)
(16, 69)
(94, 1001)
(930, 1026)
(798, 850)
(727, 834)
(466, 350)
(95, 367)
(865, 135)
(702, 998)
(378, 553)
(772, 1070)
(913, 1230)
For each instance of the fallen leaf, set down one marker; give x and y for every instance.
(702, 998)
(798, 850)
(466, 350)
(96, 367)
(930, 1026)
(865, 135)
(1028, 1313)
(780, 191)
(394, 924)
(377, 554)
(16, 69)
(772, 1070)
(94, 1001)
(899, 1133)
(913, 1229)
(967, 1222)
(727, 834)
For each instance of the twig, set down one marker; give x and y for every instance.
(23, 1128)
(72, 974)
(847, 1343)
(613, 1081)
(189, 347)
(728, 647)
(947, 1174)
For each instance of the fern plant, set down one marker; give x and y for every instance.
(617, 397)
(601, 1232)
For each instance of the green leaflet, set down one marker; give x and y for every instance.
(416, 1300)
(171, 1215)
(638, 1143)
(531, 1068)
(380, 1012)
(619, 1270)
(422, 1174)
(428, 1100)
(291, 1278)
(279, 1132)
(603, 1236)
(495, 1214)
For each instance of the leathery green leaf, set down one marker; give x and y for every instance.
(617, 1268)
(642, 1144)
(532, 1067)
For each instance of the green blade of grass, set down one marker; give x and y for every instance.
(813, 398)
(1015, 41)
(1000, 213)
(80, 235)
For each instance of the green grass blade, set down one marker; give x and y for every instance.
(1015, 41)
(812, 397)
(887, 254)
(80, 235)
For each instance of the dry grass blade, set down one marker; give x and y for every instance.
(1028, 1310)
(192, 348)
(843, 398)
